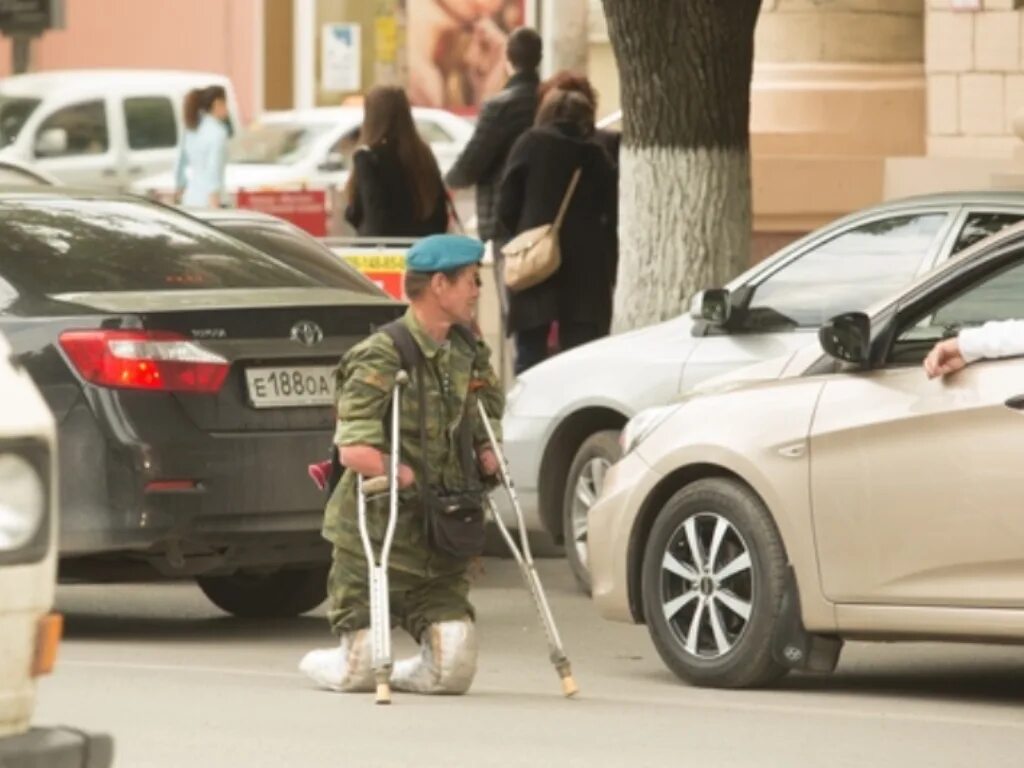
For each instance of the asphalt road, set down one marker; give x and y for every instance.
(180, 685)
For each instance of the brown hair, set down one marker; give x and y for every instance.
(567, 107)
(415, 284)
(566, 80)
(199, 100)
(388, 120)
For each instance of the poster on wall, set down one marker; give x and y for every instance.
(341, 58)
(456, 50)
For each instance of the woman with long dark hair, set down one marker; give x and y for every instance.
(199, 173)
(395, 187)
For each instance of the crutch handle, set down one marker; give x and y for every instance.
(376, 485)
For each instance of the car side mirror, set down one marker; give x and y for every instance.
(335, 162)
(714, 306)
(51, 142)
(847, 337)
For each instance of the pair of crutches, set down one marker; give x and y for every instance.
(380, 609)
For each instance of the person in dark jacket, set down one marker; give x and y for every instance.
(395, 187)
(502, 120)
(579, 295)
(567, 80)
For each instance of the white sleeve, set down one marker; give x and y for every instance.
(1002, 338)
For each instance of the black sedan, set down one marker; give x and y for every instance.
(190, 375)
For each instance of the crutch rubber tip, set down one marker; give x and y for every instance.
(383, 693)
(569, 687)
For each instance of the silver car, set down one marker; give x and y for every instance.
(564, 416)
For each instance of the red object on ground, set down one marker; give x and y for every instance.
(305, 208)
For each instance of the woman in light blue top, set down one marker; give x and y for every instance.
(199, 175)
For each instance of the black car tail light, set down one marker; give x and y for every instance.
(151, 360)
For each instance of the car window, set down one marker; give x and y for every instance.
(14, 111)
(54, 245)
(299, 250)
(80, 129)
(150, 123)
(849, 272)
(432, 132)
(981, 224)
(998, 296)
(275, 143)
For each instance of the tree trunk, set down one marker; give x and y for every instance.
(684, 196)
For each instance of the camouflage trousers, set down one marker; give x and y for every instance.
(425, 586)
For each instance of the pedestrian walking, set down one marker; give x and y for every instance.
(538, 180)
(395, 187)
(199, 173)
(445, 459)
(503, 118)
(567, 80)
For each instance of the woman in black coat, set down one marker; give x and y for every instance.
(395, 188)
(579, 295)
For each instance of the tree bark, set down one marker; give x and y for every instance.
(684, 197)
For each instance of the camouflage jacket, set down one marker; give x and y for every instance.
(364, 384)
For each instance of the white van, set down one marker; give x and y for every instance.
(29, 633)
(99, 127)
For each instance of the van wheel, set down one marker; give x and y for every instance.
(713, 581)
(281, 594)
(582, 487)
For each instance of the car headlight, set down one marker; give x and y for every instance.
(22, 501)
(643, 424)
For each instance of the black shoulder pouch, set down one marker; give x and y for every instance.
(454, 522)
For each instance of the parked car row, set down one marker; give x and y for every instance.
(839, 494)
(120, 130)
(565, 417)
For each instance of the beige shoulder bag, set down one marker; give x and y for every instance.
(531, 257)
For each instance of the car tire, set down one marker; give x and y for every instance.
(281, 594)
(582, 487)
(719, 646)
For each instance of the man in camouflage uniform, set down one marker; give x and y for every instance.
(428, 590)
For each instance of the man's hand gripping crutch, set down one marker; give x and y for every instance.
(380, 606)
(524, 557)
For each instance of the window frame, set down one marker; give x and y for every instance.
(933, 255)
(912, 309)
(109, 124)
(126, 98)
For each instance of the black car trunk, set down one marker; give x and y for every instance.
(282, 345)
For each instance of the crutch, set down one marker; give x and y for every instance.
(380, 606)
(524, 557)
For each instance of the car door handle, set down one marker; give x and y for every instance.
(108, 173)
(1016, 402)
(136, 170)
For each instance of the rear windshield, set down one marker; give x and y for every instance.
(71, 245)
(300, 250)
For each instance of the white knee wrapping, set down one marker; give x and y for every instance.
(349, 667)
(446, 662)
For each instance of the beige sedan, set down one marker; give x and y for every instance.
(841, 494)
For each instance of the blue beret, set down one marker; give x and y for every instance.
(441, 253)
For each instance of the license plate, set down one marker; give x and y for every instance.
(290, 387)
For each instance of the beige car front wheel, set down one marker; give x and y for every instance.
(713, 580)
